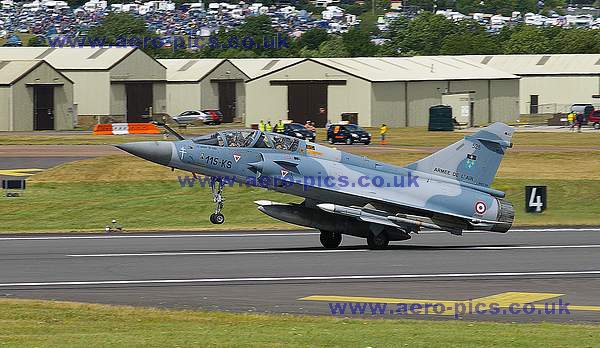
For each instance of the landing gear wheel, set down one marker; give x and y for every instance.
(216, 187)
(349, 141)
(217, 219)
(377, 242)
(330, 240)
(330, 140)
(596, 125)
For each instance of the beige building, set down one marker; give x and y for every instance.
(395, 91)
(111, 84)
(550, 83)
(198, 84)
(34, 96)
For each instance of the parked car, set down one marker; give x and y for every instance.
(297, 130)
(594, 119)
(347, 133)
(191, 116)
(215, 115)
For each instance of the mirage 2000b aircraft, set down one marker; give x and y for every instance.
(348, 194)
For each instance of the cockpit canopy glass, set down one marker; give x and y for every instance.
(249, 138)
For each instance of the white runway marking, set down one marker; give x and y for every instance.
(320, 251)
(300, 278)
(121, 236)
(535, 247)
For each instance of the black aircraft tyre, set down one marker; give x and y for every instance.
(217, 219)
(330, 240)
(377, 242)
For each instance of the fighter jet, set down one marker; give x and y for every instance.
(343, 193)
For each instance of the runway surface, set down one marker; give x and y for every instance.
(289, 272)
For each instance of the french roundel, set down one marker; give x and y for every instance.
(480, 207)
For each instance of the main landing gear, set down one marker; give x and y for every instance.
(331, 240)
(216, 187)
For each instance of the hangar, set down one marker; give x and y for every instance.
(196, 84)
(111, 84)
(550, 83)
(395, 91)
(34, 96)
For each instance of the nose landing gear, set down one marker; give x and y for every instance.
(216, 187)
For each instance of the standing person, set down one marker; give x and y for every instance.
(571, 120)
(261, 126)
(269, 126)
(328, 124)
(382, 132)
(579, 121)
(279, 127)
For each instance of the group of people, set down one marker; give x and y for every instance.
(575, 119)
(268, 127)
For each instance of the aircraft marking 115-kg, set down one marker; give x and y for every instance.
(349, 194)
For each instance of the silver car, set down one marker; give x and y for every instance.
(192, 116)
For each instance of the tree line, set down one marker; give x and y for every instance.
(426, 34)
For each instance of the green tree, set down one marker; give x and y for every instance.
(36, 41)
(469, 43)
(527, 40)
(358, 43)
(117, 26)
(333, 48)
(424, 35)
(313, 38)
(577, 41)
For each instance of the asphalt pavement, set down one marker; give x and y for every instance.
(289, 272)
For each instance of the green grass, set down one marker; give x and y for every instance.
(418, 136)
(154, 205)
(28, 323)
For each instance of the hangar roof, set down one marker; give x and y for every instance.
(192, 70)
(76, 58)
(12, 70)
(421, 68)
(541, 64)
(257, 67)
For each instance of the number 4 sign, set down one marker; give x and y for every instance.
(535, 199)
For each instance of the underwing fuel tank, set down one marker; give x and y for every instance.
(300, 215)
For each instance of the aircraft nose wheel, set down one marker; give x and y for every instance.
(216, 187)
(217, 219)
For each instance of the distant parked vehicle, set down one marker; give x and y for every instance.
(594, 119)
(348, 134)
(192, 116)
(297, 130)
(215, 115)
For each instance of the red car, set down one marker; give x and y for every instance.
(216, 115)
(594, 119)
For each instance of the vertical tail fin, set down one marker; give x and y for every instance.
(474, 159)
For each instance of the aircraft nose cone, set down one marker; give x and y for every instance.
(154, 151)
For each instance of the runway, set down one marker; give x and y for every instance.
(289, 272)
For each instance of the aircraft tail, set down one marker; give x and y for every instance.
(474, 159)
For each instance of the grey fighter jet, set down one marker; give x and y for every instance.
(349, 194)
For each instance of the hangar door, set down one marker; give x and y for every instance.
(305, 100)
(43, 108)
(227, 99)
(139, 101)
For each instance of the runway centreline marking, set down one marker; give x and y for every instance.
(163, 236)
(274, 234)
(221, 253)
(299, 278)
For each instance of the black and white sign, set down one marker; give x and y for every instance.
(535, 199)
